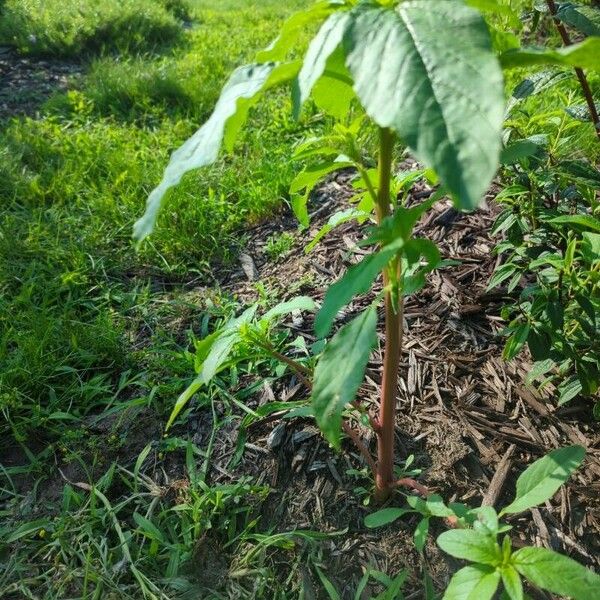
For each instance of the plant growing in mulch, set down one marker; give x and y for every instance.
(427, 78)
(551, 228)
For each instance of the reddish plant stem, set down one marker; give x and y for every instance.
(409, 482)
(384, 479)
(583, 82)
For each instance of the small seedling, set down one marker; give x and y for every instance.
(475, 532)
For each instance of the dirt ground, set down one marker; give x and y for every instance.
(26, 83)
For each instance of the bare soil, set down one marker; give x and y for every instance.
(27, 82)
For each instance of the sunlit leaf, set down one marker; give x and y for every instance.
(540, 481)
(584, 221)
(338, 218)
(340, 372)
(203, 147)
(471, 545)
(475, 582)
(557, 573)
(284, 308)
(512, 583)
(420, 535)
(427, 71)
(585, 54)
(320, 49)
(385, 516)
(333, 91)
(293, 28)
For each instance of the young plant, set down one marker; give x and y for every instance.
(425, 75)
(475, 532)
(586, 20)
(551, 230)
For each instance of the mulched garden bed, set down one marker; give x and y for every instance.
(466, 415)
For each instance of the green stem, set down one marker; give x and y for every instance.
(301, 371)
(384, 480)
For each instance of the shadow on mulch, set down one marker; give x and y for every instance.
(463, 412)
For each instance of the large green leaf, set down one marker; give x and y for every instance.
(472, 545)
(427, 71)
(475, 582)
(340, 372)
(583, 221)
(356, 280)
(320, 49)
(333, 91)
(585, 19)
(543, 478)
(203, 147)
(557, 573)
(586, 55)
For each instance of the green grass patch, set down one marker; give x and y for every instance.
(93, 331)
(71, 27)
(74, 180)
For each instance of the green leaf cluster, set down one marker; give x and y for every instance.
(216, 351)
(475, 539)
(424, 69)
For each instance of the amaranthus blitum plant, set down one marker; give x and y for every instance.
(425, 73)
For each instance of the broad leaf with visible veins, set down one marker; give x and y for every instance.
(427, 71)
(557, 573)
(475, 582)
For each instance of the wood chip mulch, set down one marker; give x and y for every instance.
(463, 412)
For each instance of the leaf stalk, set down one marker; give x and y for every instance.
(583, 82)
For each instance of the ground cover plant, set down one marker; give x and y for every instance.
(113, 488)
(73, 27)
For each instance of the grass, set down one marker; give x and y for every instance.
(74, 181)
(94, 335)
(71, 27)
(87, 334)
